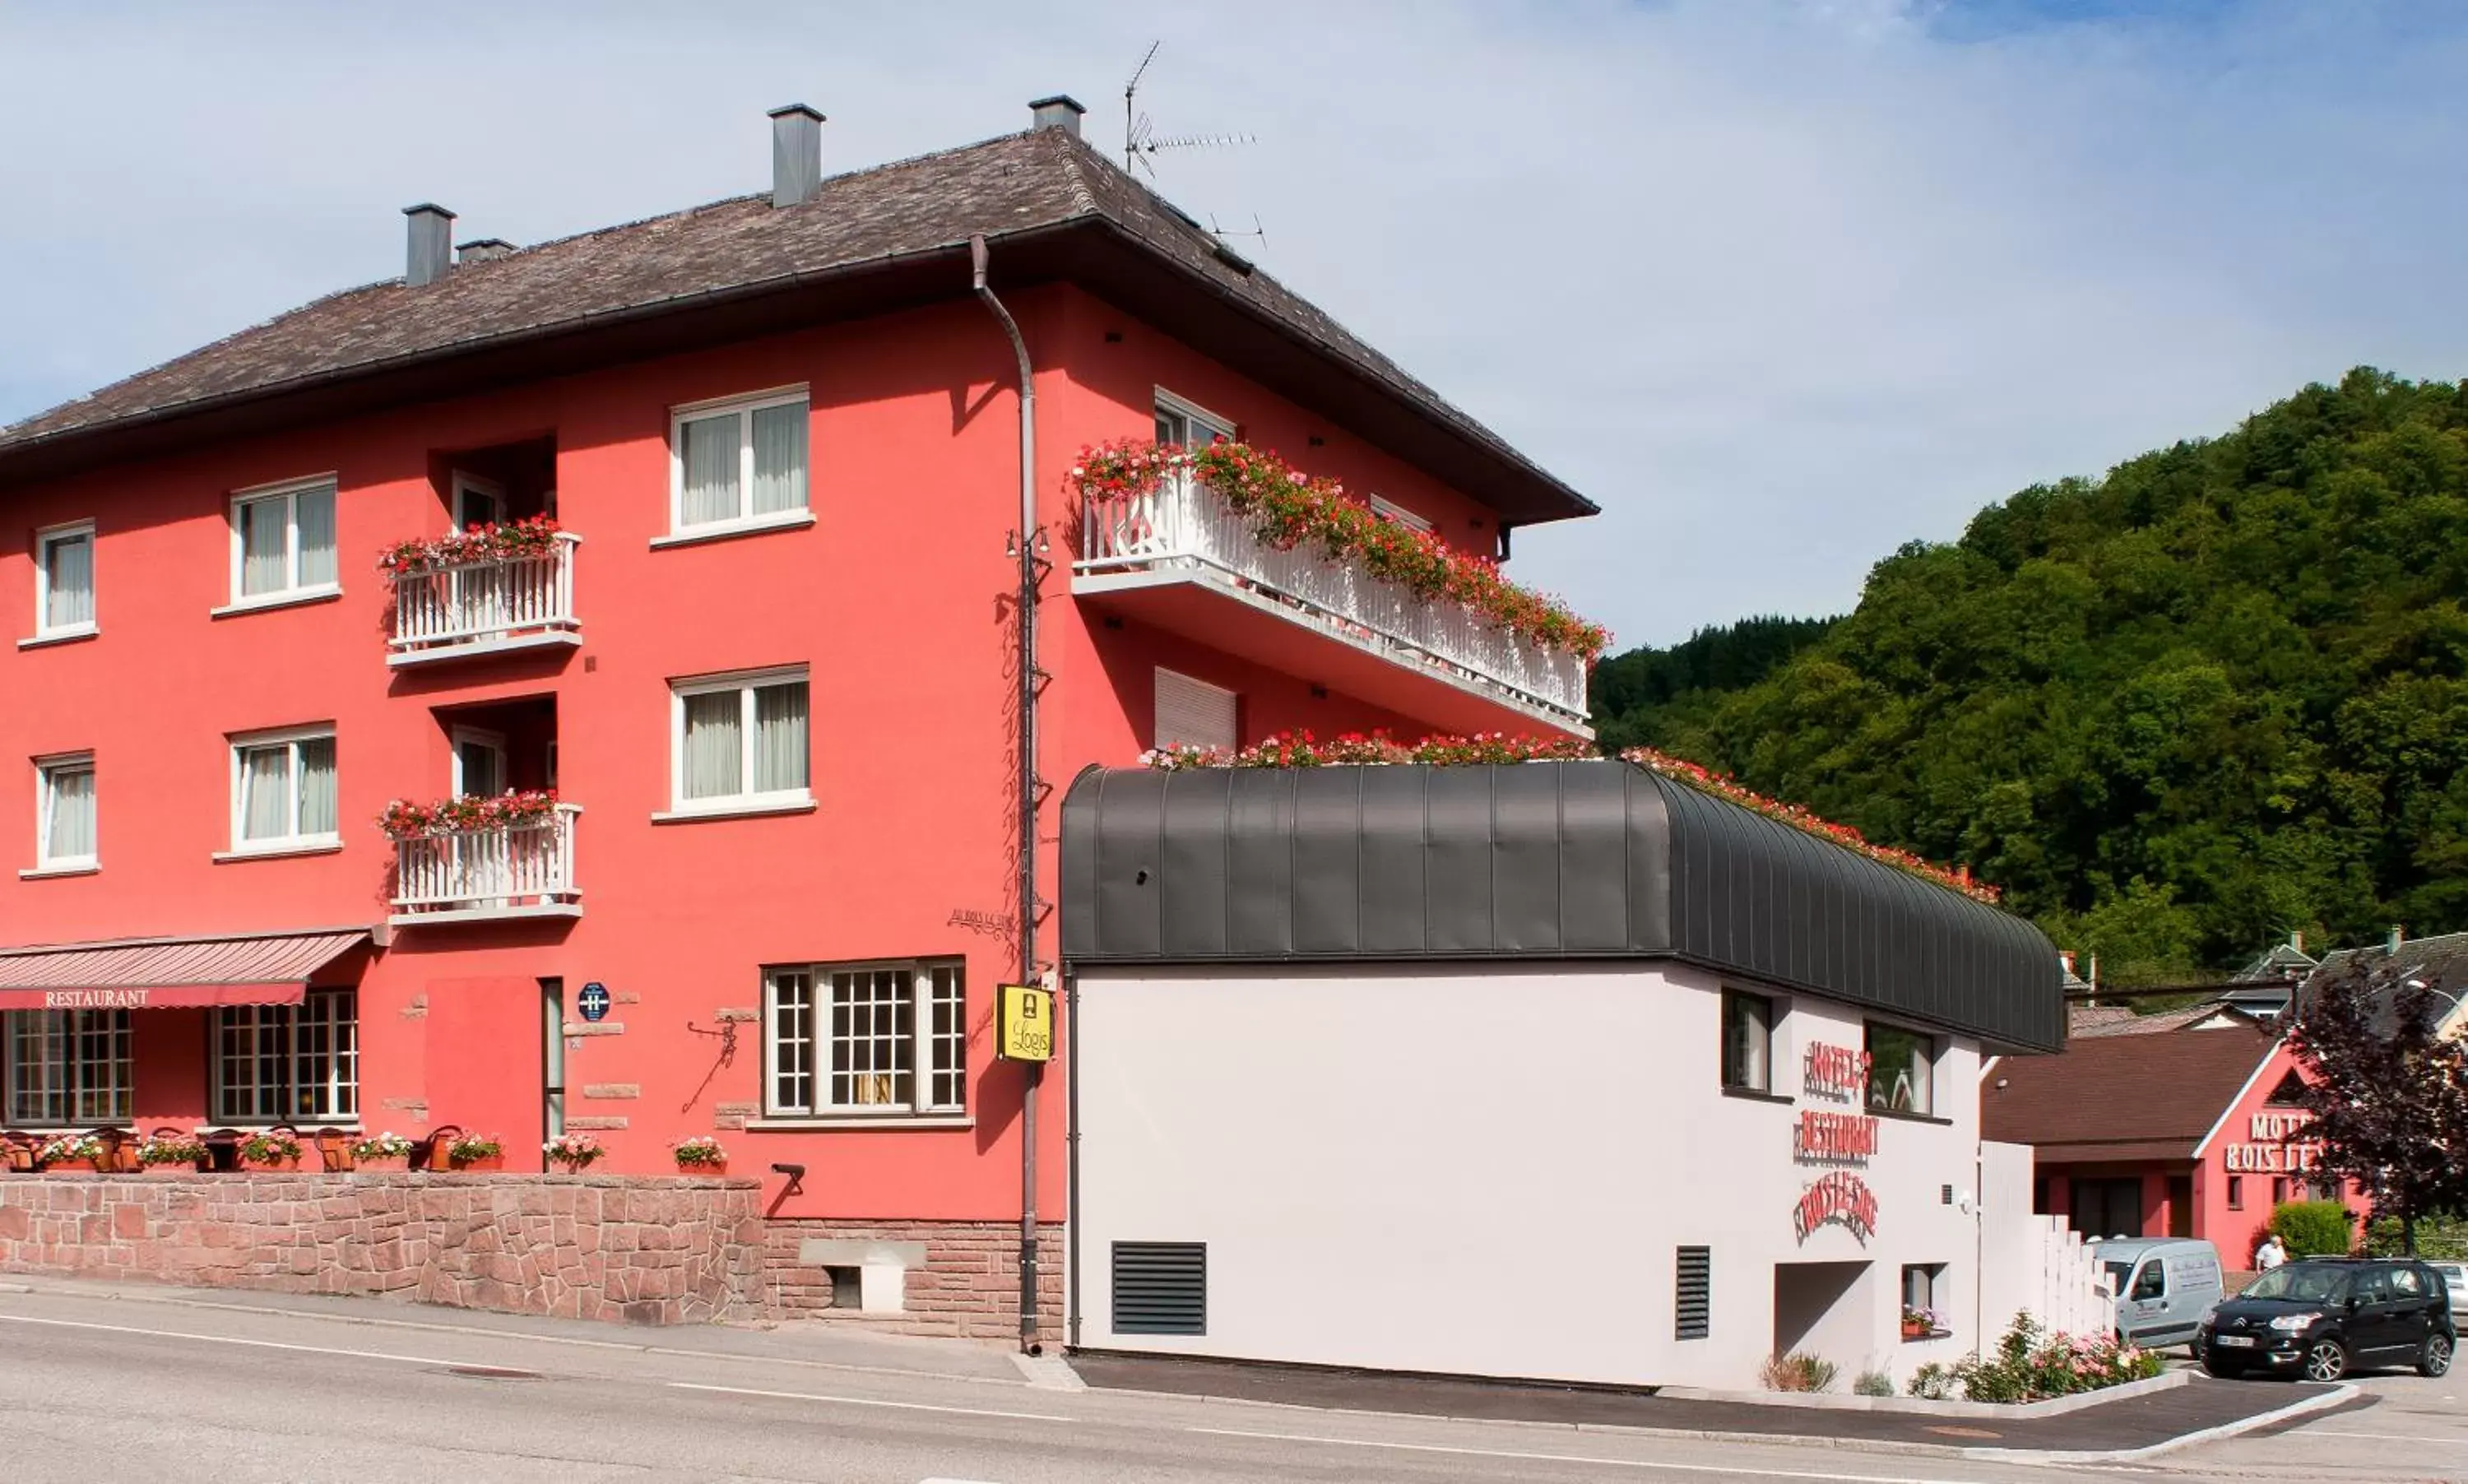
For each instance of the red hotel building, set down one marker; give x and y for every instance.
(768, 666)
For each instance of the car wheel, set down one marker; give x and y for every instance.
(2326, 1360)
(2434, 1359)
(2225, 1370)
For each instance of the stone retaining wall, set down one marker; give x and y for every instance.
(643, 1250)
(969, 1288)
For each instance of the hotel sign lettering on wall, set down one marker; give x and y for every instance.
(2275, 1148)
(1841, 1200)
(1838, 1073)
(1821, 1137)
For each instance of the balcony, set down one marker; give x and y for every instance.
(1177, 556)
(486, 606)
(495, 872)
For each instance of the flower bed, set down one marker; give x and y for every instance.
(1302, 749)
(1287, 509)
(572, 1153)
(2032, 1364)
(405, 820)
(496, 541)
(701, 1154)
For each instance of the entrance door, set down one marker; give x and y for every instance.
(477, 502)
(479, 763)
(551, 1059)
(2108, 1208)
(2181, 1205)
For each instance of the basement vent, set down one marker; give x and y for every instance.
(1695, 1291)
(1160, 1288)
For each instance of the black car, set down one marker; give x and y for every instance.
(2323, 1315)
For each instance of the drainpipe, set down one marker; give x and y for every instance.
(1026, 545)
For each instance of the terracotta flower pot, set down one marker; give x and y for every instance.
(270, 1166)
(176, 1167)
(73, 1167)
(715, 1167)
(383, 1164)
(484, 1163)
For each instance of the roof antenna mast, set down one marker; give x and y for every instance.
(1139, 139)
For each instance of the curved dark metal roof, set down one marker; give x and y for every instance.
(1535, 860)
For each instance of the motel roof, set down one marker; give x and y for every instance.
(2123, 1099)
(1596, 859)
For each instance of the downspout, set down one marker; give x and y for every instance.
(1026, 547)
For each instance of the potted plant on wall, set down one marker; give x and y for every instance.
(572, 1153)
(474, 1151)
(270, 1150)
(1919, 1323)
(701, 1154)
(381, 1154)
(71, 1151)
(170, 1152)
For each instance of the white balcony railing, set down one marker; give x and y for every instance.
(1182, 526)
(477, 606)
(524, 870)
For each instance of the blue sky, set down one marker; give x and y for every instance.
(1782, 284)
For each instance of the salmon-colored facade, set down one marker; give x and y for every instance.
(897, 599)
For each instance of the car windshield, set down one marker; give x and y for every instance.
(2118, 1272)
(2301, 1282)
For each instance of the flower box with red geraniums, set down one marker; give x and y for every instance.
(466, 813)
(572, 1153)
(73, 1152)
(270, 1150)
(475, 1152)
(506, 540)
(169, 1152)
(701, 1154)
(382, 1154)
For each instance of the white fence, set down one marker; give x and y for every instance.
(1181, 525)
(484, 604)
(2030, 1262)
(511, 869)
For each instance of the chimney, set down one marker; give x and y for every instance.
(2066, 957)
(2297, 942)
(796, 154)
(2397, 937)
(1061, 111)
(431, 246)
(483, 249)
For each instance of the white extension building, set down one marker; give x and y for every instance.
(1548, 1071)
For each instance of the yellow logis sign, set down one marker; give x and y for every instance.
(1027, 1024)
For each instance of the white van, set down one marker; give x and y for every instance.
(2166, 1286)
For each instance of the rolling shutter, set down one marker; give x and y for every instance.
(1160, 1288)
(1694, 1294)
(1192, 713)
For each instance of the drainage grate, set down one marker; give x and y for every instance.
(1160, 1288)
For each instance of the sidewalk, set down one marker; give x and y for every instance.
(2133, 1424)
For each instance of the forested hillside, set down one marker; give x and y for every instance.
(2220, 694)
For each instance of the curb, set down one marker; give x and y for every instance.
(2339, 1396)
(1915, 1406)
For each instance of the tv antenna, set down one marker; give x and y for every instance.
(1139, 136)
(1222, 233)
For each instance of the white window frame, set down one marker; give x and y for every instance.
(294, 590)
(119, 1086)
(46, 770)
(752, 800)
(337, 1011)
(292, 735)
(45, 539)
(745, 405)
(1390, 510)
(932, 1055)
(1199, 417)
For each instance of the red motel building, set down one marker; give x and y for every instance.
(730, 700)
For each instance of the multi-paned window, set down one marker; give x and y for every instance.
(1747, 1041)
(1902, 1070)
(282, 542)
(64, 812)
(64, 581)
(739, 742)
(283, 789)
(66, 1066)
(879, 1038)
(737, 462)
(289, 1062)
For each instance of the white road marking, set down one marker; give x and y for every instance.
(229, 1339)
(901, 1407)
(2378, 1437)
(1616, 1463)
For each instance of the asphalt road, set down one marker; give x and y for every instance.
(96, 1388)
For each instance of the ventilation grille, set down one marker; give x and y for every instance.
(1160, 1288)
(1696, 1292)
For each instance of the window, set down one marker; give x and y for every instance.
(1193, 427)
(852, 1039)
(2236, 1191)
(1389, 509)
(2278, 1192)
(64, 820)
(740, 462)
(64, 581)
(289, 1062)
(282, 790)
(67, 1066)
(282, 542)
(1921, 1282)
(1747, 1041)
(1902, 1070)
(1193, 714)
(739, 742)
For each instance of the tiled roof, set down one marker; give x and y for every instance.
(2442, 961)
(2136, 1097)
(1003, 188)
(2097, 1021)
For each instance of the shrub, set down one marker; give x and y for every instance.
(2312, 1229)
(1873, 1384)
(2032, 1364)
(1797, 1371)
(2444, 1237)
(1935, 1382)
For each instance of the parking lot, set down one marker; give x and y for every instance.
(2404, 1428)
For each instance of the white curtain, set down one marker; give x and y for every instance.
(265, 542)
(70, 835)
(316, 517)
(780, 738)
(779, 459)
(69, 582)
(317, 814)
(266, 792)
(715, 745)
(710, 455)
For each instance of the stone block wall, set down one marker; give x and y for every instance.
(642, 1250)
(969, 1288)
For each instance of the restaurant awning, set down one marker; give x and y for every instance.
(170, 973)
